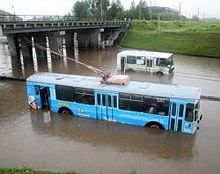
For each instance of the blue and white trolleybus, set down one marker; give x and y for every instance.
(165, 106)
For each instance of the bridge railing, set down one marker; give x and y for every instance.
(33, 18)
(39, 18)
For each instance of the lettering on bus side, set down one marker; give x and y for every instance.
(146, 104)
(142, 118)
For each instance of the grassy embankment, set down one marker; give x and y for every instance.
(184, 37)
(30, 171)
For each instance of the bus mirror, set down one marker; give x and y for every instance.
(198, 121)
(200, 117)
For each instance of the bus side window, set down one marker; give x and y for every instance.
(131, 60)
(174, 109)
(159, 106)
(189, 112)
(64, 93)
(109, 100)
(181, 110)
(114, 101)
(140, 60)
(85, 96)
(98, 99)
(103, 100)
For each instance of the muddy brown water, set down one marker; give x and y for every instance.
(49, 141)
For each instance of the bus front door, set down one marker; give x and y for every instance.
(123, 64)
(105, 104)
(176, 116)
(42, 95)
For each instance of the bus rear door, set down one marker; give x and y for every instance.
(176, 116)
(105, 104)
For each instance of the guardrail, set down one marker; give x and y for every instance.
(40, 18)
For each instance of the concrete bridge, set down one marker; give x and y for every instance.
(55, 29)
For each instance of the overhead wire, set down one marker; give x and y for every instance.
(101, 73)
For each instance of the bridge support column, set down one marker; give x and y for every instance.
(41, 40)
(96, 38)
(1, 32)
(69, 46)
(53, 43)
(13, 45)
(76, 47)
(26, 48)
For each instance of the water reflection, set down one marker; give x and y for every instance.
(166, 145)
(189, 70)
(187, 67)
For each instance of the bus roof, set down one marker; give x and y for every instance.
(135, 87)
(146, 53)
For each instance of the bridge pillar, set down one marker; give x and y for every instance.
(84, 39)
(26, 48)
(1, 32)
(69, 45)
(53, 44)
(41, 40)
(13, 45)
(96, 38)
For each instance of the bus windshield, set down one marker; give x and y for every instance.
(164, 62)
(197, 111)
(170, 60)
(189, 112)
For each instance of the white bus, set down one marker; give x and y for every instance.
(148, 61)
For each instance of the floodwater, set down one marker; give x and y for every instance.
(49, 141)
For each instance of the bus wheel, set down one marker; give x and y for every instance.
(160, 73)
(65, 111)
(155, 126)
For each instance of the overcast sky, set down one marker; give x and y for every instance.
(207, 8)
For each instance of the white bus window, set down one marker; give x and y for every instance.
(131, 60)
(140, 60)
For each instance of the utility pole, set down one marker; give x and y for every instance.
(158, 23)
(180, 4)
(13, 11)
(150, 12)
(139, 11)
(101, 10)
(198, 13)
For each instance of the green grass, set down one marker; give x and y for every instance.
(30, 171)
(193, 38)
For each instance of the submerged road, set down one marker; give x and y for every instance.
(49, 141)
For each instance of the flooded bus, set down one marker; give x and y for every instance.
(164, 106)
(147, 61)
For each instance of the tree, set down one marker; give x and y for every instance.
(143, 10)
(100, 9)
(132, 11)
(139, 11)
(116, 10)
(81, 10)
